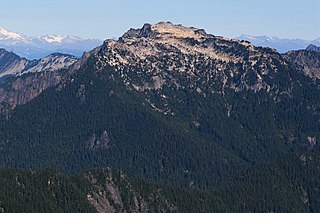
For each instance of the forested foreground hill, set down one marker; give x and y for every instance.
(288, 185)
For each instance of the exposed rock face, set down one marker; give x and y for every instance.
(308, 60)
(113, 192)
(23, 89)
(102, 142)
(312, 141)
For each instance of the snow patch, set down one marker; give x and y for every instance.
(53, 38)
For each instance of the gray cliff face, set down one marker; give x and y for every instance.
(23, 89)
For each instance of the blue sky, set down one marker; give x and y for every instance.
(105, 19)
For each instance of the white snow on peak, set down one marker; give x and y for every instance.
(10, 35)
(53, 38)
(6, 35)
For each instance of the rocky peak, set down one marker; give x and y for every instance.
(5, 55)
(10, 62)
(179, 31)
(145, 31)
(312, 47)
(51, 62)
(3, 51)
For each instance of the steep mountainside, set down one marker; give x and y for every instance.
(166, 103)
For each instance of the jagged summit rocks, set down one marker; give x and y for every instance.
(164, 28)
(145, 31)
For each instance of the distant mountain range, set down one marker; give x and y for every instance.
(41, 46)
(281, 45)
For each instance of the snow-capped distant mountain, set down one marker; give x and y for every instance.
(7, 37)
(52, 38)
(282, 45)
(40, 46)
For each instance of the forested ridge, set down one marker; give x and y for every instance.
(288, 185)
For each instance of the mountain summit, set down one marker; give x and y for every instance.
(312, 47)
